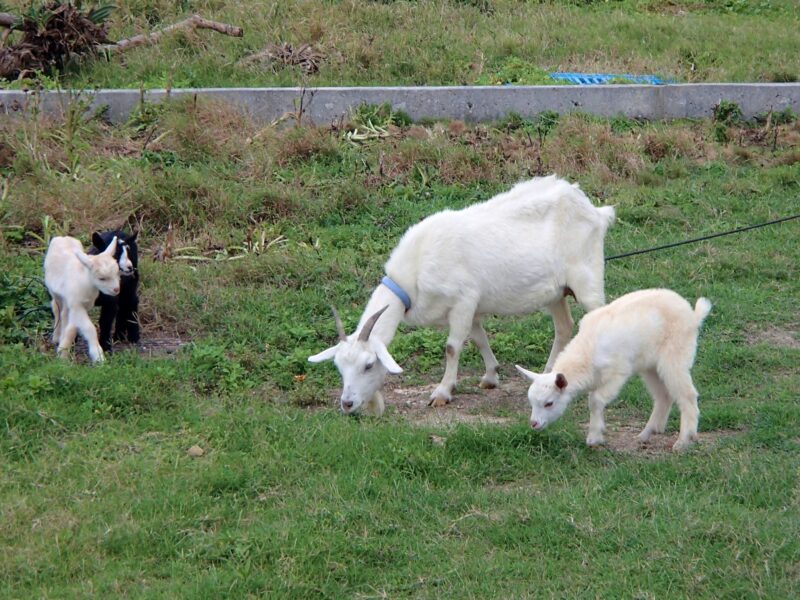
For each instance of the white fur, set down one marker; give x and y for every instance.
(74, 279)
(649, 332)
(513, 254)
(125, 264)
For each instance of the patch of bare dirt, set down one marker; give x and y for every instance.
(621, 437)
(470, 404)
(149, 346)
(508, 404)
(774, 336)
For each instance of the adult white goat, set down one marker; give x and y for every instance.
(74, 279)
(650, 332)
(521, 251)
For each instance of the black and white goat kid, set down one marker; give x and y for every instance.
(124, 307)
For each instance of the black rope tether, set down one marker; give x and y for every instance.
(700, 239)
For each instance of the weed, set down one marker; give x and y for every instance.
(727, 113)
(214, 370)
(517, 71)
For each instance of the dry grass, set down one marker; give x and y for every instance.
(584, 147)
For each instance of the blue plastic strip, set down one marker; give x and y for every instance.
(601, 78)
(398, 291)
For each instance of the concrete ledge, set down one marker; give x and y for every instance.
(468, 103)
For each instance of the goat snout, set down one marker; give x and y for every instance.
(115, 291)
(535, 424)
(347, 405)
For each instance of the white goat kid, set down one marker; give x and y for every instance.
(74, 279)
(521, 251)
(649, 332)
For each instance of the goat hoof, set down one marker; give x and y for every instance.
(682, 445)
(488, 384)
(595, 440)
(438, 402)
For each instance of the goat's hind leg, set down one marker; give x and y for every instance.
(478, 335)
(681, 389)
(587, 285)
(460, 320)
(563, 324)
(662, 403)
(58, 323)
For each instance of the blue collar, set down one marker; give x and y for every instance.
(398, 291)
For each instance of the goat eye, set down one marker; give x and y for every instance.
(548, 404)
(368, 366)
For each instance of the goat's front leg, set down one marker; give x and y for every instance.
(108, 312)
(562, 323)
(598, 400)
(68, 332)
(478, 335)
(128, 319)
(89, 333)
(460, 320)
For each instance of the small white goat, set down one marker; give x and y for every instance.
(74, 279)
(649, 332)
(521, 251)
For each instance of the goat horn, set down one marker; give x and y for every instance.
(339, 326)
(367, 329)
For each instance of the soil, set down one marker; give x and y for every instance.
(149, 346)
(775, 336)
(508, 404)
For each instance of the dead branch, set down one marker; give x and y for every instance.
(7, 19)
(192, 23)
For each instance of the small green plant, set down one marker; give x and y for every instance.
(540, 126)
(727, 113)
(515, 70)
(373, 121)
(214, 370)
(623, 124)
(24, 310)
(146, 115)
(381, 115)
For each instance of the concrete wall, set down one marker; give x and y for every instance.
(468, 103)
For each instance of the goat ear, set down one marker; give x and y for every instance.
(112, 247)
(529, 375)
(382, 352)
(324, 355)
(86, 261)
(132, 237)
(561, 381)
(97, 241)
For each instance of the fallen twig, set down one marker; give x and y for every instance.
(193, 22)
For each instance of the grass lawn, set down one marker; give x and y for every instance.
(100, 498)
(446, 42)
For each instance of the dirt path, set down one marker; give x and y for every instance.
(508, 404)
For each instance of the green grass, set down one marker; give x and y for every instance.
(451, 42)
(99, 498)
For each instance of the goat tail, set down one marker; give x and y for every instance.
(608, 214)
(701, 309)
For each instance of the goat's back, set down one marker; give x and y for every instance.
(511, 251)
(645, 326)
(60, 257)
